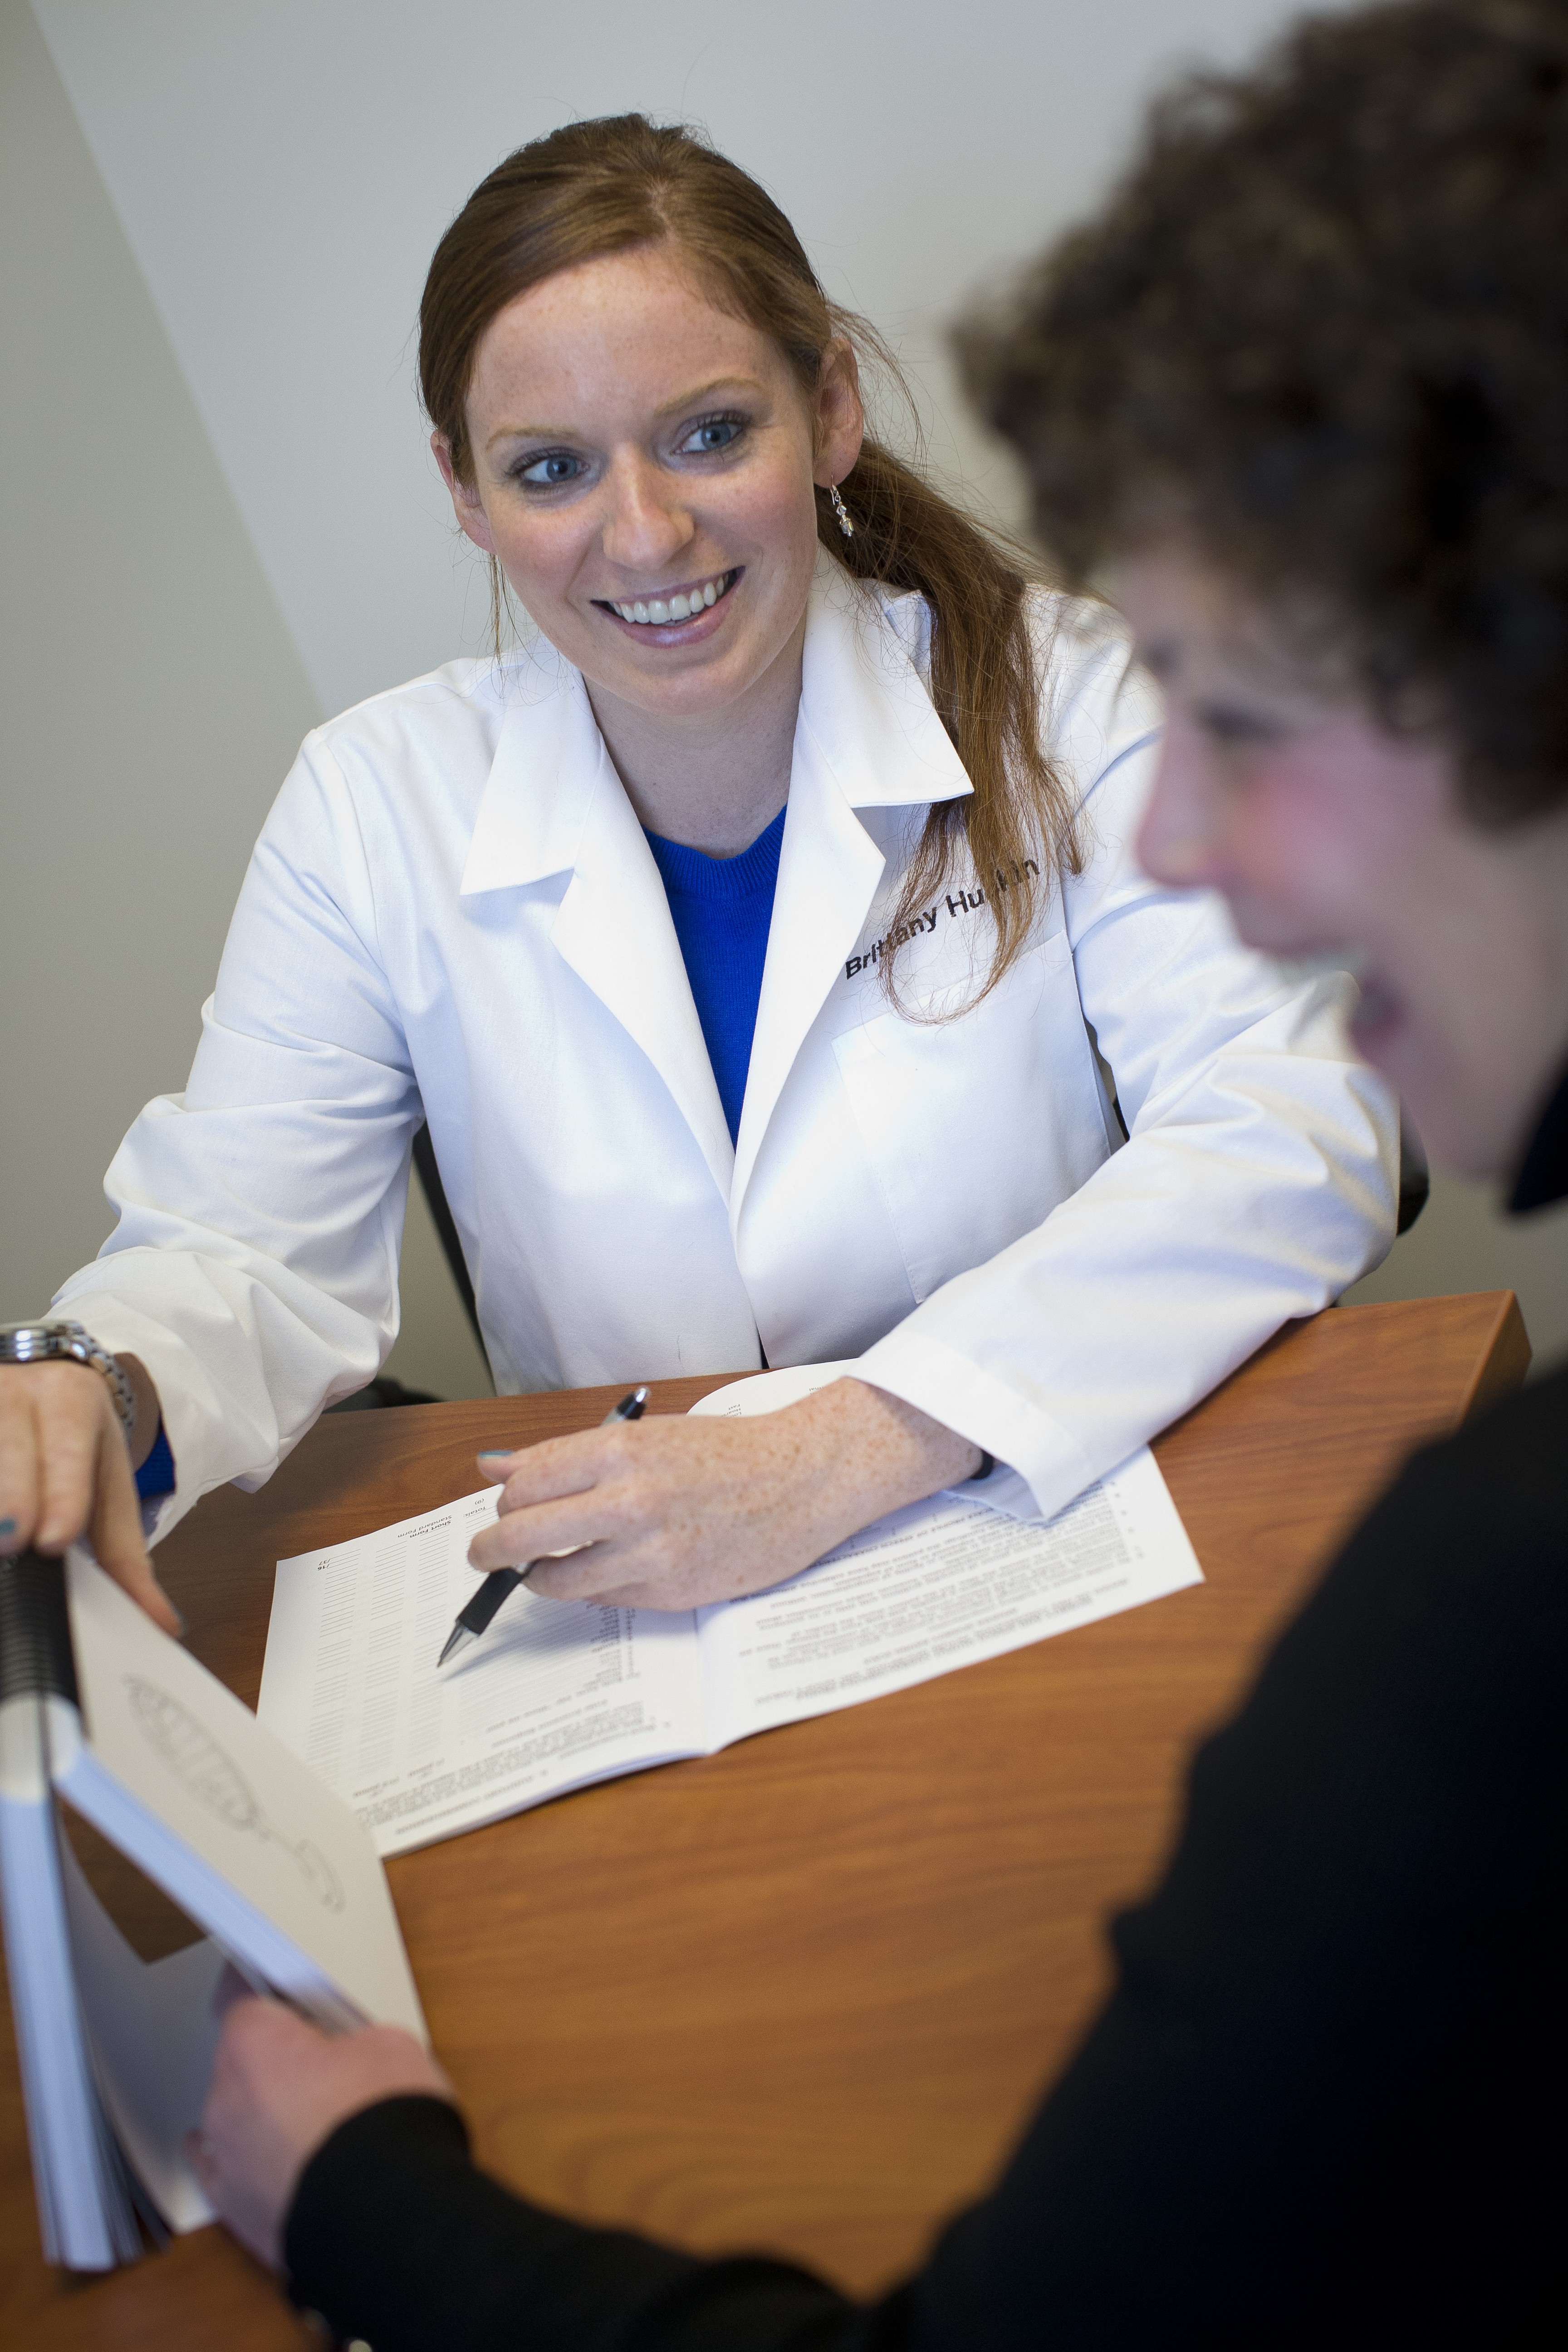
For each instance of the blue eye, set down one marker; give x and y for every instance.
(713, 433)
(550, 471)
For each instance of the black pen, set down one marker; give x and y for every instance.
(472, 1620)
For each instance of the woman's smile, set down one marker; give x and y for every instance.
(685, 616)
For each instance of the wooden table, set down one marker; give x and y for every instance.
(800, 1996)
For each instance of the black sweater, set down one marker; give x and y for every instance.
(1324, 2105)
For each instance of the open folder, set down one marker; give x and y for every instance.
(99, 1707)
(558, 1694)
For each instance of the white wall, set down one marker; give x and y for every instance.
(221, 519)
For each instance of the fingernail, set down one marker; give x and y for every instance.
(7, 1528)
(180, 1622)
(486, 1453)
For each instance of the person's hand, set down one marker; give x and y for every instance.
(66, 1474)
(676, 1512)
(279, 2088)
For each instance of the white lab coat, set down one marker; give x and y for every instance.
(452, 913)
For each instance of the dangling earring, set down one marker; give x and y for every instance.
(841, 510)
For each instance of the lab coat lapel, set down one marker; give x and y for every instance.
(554, 801)
(868, 735)
(614, 930)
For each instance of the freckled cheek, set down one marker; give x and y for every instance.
(542, 563)
(777, 516)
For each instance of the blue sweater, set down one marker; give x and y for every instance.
(721, 908)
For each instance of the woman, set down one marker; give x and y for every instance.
(1325, 2103)
(686, 1123)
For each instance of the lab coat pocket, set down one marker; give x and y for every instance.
(976, 1128)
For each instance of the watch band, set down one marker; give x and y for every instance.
(61, 1339)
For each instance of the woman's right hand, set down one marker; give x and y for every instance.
(66, 1473)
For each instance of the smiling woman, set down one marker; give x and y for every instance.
(762, 943)
(685, 224)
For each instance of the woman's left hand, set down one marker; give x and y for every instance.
(279, 2089)
(674, 1512)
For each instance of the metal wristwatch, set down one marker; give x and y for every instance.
(43, 1343)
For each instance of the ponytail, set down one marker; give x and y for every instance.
(986, 688)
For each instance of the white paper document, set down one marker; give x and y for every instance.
(559, 1693)
(179, 1776)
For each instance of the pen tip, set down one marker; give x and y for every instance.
(457, 1639)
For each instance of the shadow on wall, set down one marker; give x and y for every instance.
(1464, 1241)
(436, 1351)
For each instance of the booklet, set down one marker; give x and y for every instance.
(99, 1707)
(560, 1694)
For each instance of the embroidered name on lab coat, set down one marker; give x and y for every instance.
(965, 902)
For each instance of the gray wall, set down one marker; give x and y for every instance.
(152, 698)
(218, 516)
(1464, 1242)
